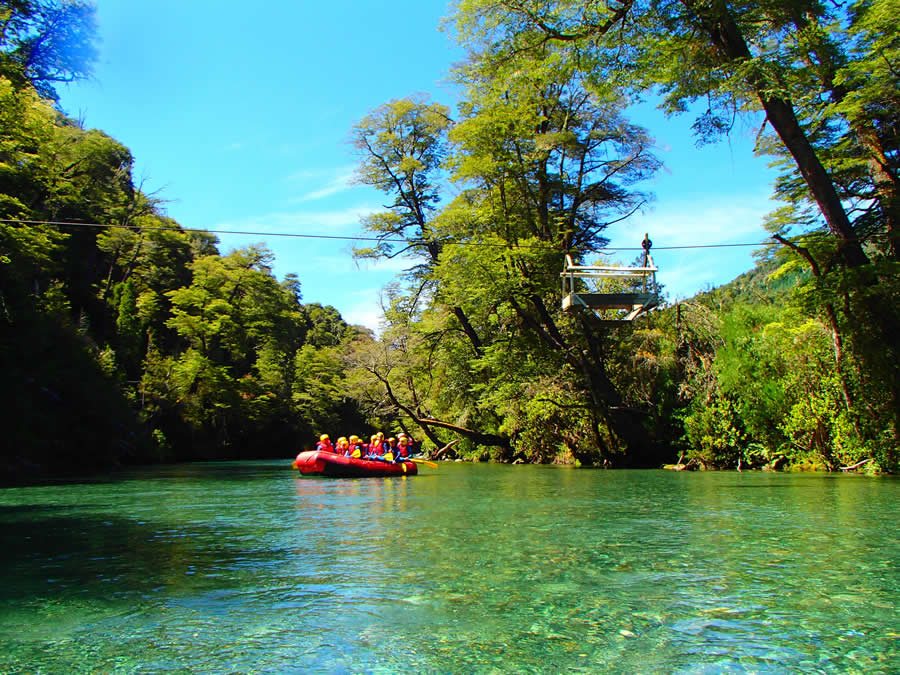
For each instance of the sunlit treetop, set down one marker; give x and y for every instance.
(47, 42)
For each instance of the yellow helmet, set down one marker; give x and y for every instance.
(323, 437)
(342, 439)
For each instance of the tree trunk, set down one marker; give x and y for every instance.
(468, 330)
(590, 364)
(883, 174)
(476, 437)
(406, 409)
(727, 37)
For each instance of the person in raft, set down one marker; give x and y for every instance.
(342, 447)
(382, 450)
(376, 450)
(324, 444)
(357, 449)
(398, 449)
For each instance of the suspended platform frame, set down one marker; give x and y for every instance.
(634, 303)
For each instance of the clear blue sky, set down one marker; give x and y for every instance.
(239, 115)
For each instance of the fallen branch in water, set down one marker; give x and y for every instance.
(445, 448)
(855, 466)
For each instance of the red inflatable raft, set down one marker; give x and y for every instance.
(316, 463)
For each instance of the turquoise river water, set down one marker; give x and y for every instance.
(248, 568)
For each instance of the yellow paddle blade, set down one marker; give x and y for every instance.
(389, 456)
(423, 461)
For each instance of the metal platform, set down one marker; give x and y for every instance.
(579, 296)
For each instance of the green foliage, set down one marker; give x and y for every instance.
(824, 76)
(542, 164)
(319, 387)
(151, 345)
(751, 365)
(714, 432)
(325, 326)
(181, 352)
(27, 252)
(401, 145)
(768, 391)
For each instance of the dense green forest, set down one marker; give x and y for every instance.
(128, 337)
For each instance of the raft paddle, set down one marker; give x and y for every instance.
(422, 461)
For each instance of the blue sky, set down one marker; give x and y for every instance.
(239, 115)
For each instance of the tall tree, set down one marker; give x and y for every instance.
(547, 165)
(541, 165)
(732, 55)
(804, 65)
(401, 145)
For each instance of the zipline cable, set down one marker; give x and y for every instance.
(297, 235)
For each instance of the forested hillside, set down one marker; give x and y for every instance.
(128, 337)
(125, 337)
(139, 340)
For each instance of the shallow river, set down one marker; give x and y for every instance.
(248, 568)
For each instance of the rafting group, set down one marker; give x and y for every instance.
(378, 448)
(351, 457)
